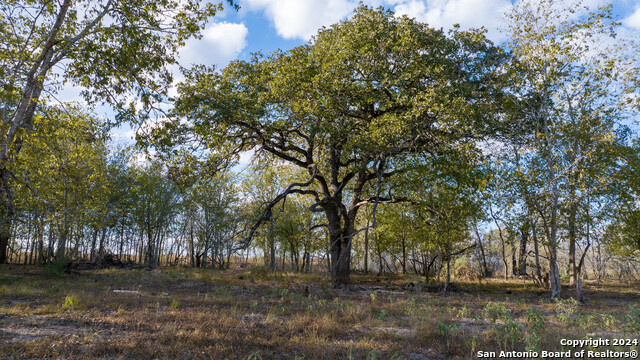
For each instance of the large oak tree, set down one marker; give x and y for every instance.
(352, 107)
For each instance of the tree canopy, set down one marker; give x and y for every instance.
(352, 107)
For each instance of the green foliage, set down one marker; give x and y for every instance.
(566, 310)
(495, 311)
(512, 332)
(383, 315)
(373, 355)
(566, 92)
(255, 356)
(411, 307)
(383, 119)
(70, 303)
(175, 304)
(464, 312)
(373, 296)
(536, 322)
(56, 268)
(448, 331)
(631, 326)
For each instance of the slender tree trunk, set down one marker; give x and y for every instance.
(121, 248)
(404, 255)
(573, 276)
(514, 262)
(284, 257)
(551, 227)
(76, 245)
(272, 247)
(579, 294)
(502, 242)
(554, 276)
(62, 243)
(33, 243)
(51, 242)
(536, 249)
(6, 210)
(93, 244)
(191, 246)
(380, 266)
(448, 280)
(522, 258)
(102, 239)
(40, 243)
(366, 248)
(485, 268)
(29, 241)
(554, 273)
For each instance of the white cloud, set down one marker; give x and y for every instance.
(633, 21)
(467, 13)
(221, 43)
(301, 18)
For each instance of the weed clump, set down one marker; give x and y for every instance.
(566, 309)
(632, 325)
(495, 311)
(57, 267)
(70, 303)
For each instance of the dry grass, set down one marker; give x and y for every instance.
(250, 314)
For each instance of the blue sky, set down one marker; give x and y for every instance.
(267, 25)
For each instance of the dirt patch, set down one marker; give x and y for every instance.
(15, 329)
(397, 331)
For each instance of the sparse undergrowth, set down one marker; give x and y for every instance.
(238, 314)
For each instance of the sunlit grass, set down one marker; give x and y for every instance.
(185, 313)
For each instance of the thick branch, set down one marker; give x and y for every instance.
(381, 200)
(266, 214)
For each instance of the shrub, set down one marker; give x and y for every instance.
(175, 304)
(466, 270)
(565, 309)
(495, 311)
(57, 267)
(632, 326)
(70, 303)
(448, 331)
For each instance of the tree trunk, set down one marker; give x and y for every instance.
(579, 294)
(522, 258)
(6, 210)
(191, 246)
(573, 276)
(514, 262)
(366, 248)
(5, 235)
(341, 232)
(340, 256)
(502, 242)
(102, 238)
(40, 260)
(554, 277)
(536, 251)
(404, 255)
(485, 268)
(554, 273)
(272, 246)
(380, 266)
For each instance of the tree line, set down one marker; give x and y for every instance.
(383, 144)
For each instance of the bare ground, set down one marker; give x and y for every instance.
(242, 314)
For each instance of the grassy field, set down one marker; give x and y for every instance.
(250, 314)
